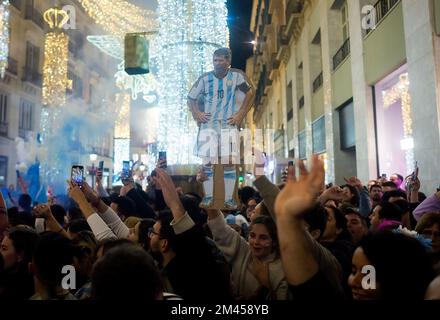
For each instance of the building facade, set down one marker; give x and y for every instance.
(21, 88)
(353, 81)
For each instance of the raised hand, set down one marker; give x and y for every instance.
(78, 196)
(300, 194)
(42, 211)
(125, 189)
(354, 182)
(169, 192)
(90, 194)
(98, 176)
(334, 193)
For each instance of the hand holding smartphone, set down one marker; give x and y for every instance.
(416, 172)
(126, 174)
(162, 161)
(77, 175)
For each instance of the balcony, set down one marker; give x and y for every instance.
(282, 43)
(293, 11)
(12, 66)
(4, 129)
(342, 53)
(382, 7)
(32, 76)
(32, 14)
(16, 4)
(275, 63)
(317, 83)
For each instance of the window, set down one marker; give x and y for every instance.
(302, 145)
(3, 171)
(318, 135)
(32, 58)
(25, 119)
(346, 126)
(345, 26)
(3, 107)
(289, 102)
(3, 114)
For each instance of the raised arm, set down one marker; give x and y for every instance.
(43, 211)
(170, 195)
(106, 213)
(364, 197)
(99, 228)
(297, 196)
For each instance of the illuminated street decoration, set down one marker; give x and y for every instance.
(4, 36)
(400, 91)
(119, 17)
(122, 133)
(190, 32)
(56, 45)
(145, 84)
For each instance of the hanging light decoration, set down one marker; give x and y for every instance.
(190, 32)
(122, 133)
(119, 17)
(56, 45)
(4, 36)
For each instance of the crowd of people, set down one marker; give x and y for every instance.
(296, 241)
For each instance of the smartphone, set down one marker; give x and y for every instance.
(416, 172)
(77, 175)
(163, 157)
(126, 174)
(101, 166)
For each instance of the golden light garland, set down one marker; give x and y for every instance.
(119, 17)
(400, 91)
(56, 56)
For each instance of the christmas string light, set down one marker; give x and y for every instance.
(4, 36)
(119, 17)
(56, 44)
(122, 133)
(122, 123)
(190, 32)
(400, 91)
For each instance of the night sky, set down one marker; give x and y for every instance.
(239, 22)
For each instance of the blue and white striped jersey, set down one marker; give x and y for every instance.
(220, 95)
